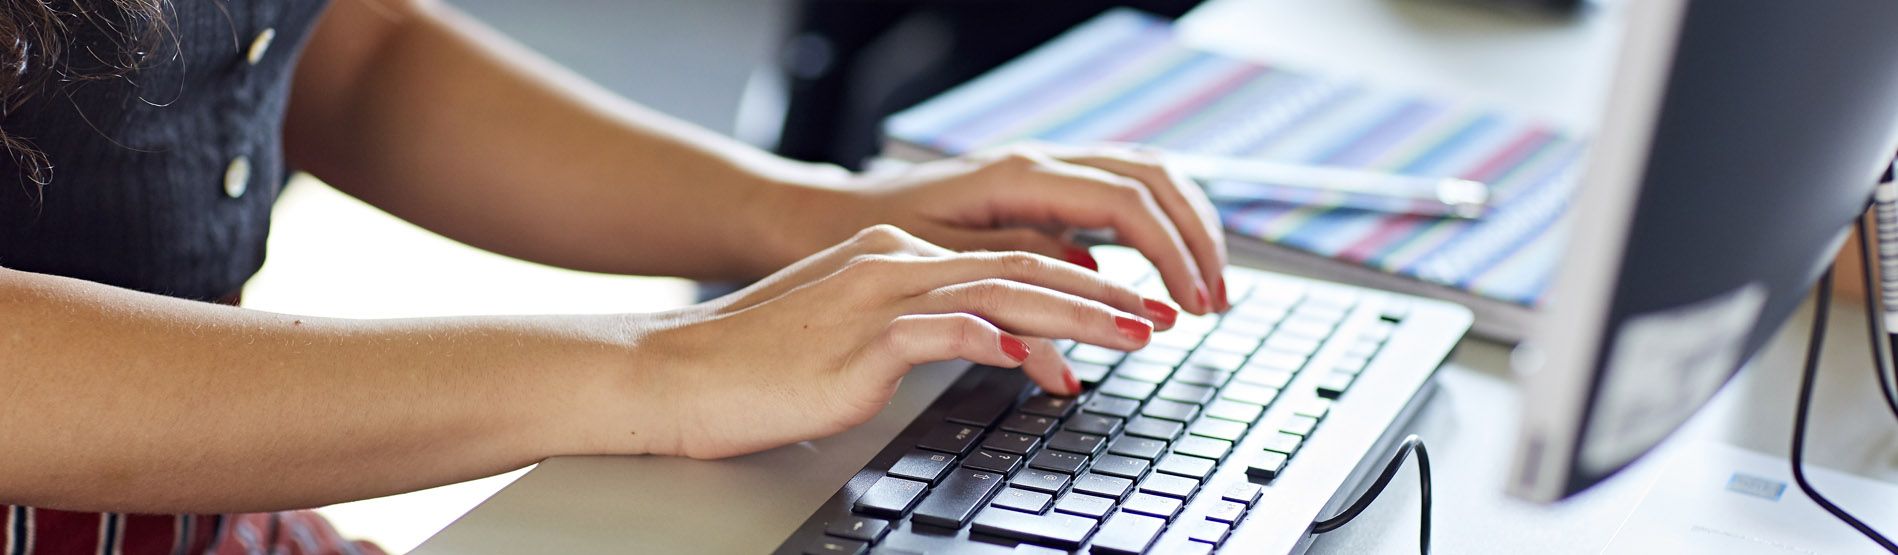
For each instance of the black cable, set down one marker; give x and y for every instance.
(1821, 302)
(1411, 443)
(1883, 343)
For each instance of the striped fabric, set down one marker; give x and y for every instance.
(1122, 77)
(30, 531)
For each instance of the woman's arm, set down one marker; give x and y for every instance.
(121, 401)
(118, 401)
(420, 110)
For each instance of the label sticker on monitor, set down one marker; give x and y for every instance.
(1664, 365)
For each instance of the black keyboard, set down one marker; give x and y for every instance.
(1168, 450)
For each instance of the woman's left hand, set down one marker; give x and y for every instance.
(1029, 198)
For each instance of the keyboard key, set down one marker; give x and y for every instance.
(1231, 343)
(1379, 331)
(1065, 531)
(1187, 393)
(1138, 447)
(1217, 360)
(992, 461)
(1177, 546)
(1275, 360)
(1306, 327)
(835, 546)
(1267, 377)
(1227, 511)
(1056, 461)
(1203, 447)
(1314, 407)
(1334, 384)
(1144, 371)
(1025, 548)
(1112, 406)
(1162, 355)
(1102, 485)
(1083, 504)
(1048, 405)
(1219, 429)
(1076, 442)
(1171, 410)
(922, 466)
(1023, 500)
(1040, 480)
(1123, 387)
(1175, 340)
(1010, 442)
(1097, 424)
(1300, 425)
(1087, 372)
(1197, 375)
(1029, 424)
(1235, 411)
(1351, 364)
(1186, 465)
(1283, 442)
(1259, 313)
(951, 504)
(1152, 505)
(1244, 327)
(1125, 467)
(982, 406)
(1292, 344)
(859, 528)
(1248, 393)
(1096, 354)
(1208, 531)
(1169, 485)
(1126, 533)
(1154, 428)
(951, 438)
(1244, 493)
(890, 496)
(1266, 465)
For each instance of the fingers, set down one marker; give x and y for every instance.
(1038, 188)
(924, 338)
(1048, 368)
(1029, 310)
(922, 276)
(1021, 239)
(1182, 201)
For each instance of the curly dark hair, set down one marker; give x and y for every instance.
(34, 36)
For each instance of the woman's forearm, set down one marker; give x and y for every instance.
(422, 111)
(123, 401)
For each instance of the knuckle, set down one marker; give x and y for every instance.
(988, 294)
(869, 266)
(1021, 264)
(881, 238)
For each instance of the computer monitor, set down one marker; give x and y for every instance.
(1741, 140)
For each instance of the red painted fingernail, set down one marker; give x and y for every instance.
(1074, 384)
(1014, 348)
(1160, 312)
(1204, 302)
(1133, 329)
(1224, 305)
(1079, 256)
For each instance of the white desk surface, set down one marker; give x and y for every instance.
(1551, 69)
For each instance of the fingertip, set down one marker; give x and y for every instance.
(1079, 256)
(1202, 302)
(1073, 383)
(1015, 349)
(1161, 314)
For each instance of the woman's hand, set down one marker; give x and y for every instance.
(1027, 198)
(821, 345)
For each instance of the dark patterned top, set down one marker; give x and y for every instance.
(162, 181)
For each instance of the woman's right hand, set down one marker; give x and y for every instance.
(821, 346)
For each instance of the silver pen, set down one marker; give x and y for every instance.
(1235, 179)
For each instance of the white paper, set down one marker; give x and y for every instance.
(1715, 498)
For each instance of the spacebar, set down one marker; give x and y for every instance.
(1056, 529)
